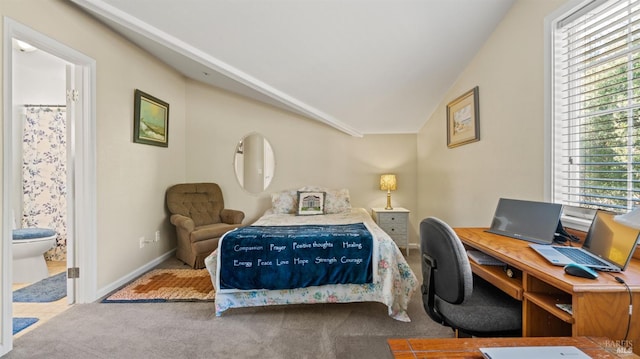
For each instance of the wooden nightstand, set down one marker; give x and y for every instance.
(395, 222)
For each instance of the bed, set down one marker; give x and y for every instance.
(391, 280)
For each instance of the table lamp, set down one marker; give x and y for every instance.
(388, 183)
(630, 219)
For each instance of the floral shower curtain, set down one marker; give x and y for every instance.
(44, 173)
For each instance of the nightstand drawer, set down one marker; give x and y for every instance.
(395, 221)
(397, 228)
(399, 238)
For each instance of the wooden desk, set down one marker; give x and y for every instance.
(469, 347)
(600, 306)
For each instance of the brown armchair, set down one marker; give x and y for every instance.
(197, 211)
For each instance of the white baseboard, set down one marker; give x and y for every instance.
(133, 275)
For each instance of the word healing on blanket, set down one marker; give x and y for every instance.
(286, 257)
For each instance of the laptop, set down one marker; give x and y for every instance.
(531, 352)
(608, 246)
(528, 220)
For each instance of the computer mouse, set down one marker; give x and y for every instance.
(579, 270)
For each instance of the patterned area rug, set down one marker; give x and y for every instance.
(167, 285)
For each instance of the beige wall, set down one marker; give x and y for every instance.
(462, 185)
(306, 153)
(131, 178)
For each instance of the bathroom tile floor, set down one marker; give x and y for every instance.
(42, 311)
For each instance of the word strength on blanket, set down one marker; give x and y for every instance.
(286, 257)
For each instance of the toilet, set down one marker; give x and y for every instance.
(29, 246)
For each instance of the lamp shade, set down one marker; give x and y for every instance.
(631, 219)
(388, 182)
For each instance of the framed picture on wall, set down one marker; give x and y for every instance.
(463, 119)
(150, 120)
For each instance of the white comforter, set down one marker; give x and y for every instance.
(393, 281)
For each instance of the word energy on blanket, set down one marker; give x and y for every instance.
(286, 257)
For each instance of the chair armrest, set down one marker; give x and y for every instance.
(183, 222)
(231, 216)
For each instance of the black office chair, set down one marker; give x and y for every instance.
(453, 296)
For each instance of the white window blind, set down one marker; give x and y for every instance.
(596, 106)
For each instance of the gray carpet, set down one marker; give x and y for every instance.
(191, 330)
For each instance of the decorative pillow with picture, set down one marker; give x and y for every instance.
(335, 200)
(310, 203)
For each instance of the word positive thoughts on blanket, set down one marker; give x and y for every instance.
(286, 257)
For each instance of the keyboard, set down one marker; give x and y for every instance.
(578, 256)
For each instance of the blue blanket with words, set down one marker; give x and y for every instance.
(287, 257)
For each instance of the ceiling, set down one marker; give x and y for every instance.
(361, 66)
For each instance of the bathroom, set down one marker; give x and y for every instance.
(39, 164)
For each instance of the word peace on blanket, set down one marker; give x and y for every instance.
(286, 257)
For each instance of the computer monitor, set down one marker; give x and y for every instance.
(527, 220)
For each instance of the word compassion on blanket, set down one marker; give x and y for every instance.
(286, 257)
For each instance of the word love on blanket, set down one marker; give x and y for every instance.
(286, 257)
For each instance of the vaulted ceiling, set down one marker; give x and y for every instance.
(361, 66)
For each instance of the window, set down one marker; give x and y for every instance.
(596, 106)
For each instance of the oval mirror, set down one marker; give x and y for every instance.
(254, 163)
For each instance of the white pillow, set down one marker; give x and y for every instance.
(284, 202)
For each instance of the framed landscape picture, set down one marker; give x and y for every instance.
(150, 120)
(463, 119)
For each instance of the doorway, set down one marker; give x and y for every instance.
(80, 179)
(40, 196)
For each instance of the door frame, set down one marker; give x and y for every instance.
(81, 173)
